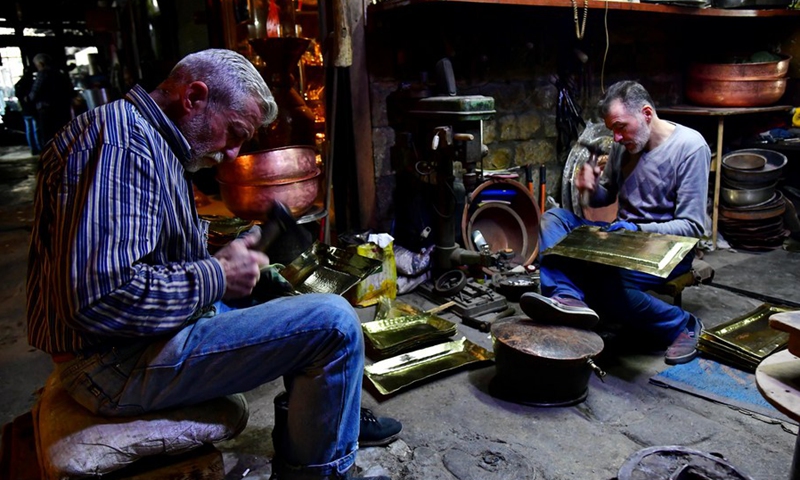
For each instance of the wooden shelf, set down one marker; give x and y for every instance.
(612, 5)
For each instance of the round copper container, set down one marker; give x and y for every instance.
(735, 93)
(269, 165)
(542, 365)
(741, 71)
(253, 201)
(507, 215)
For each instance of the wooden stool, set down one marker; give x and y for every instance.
(701, 273)
(778, 377)
(59, 439)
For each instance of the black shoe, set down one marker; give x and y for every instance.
(373, 432)
(377, 431)
(684, 348)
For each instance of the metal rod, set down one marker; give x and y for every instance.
(757, 296)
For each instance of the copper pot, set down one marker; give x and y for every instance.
(741, 71)
(735, 93)
(543, 365)
(269, 165)
(253, 201)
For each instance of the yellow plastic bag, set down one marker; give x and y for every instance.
(380, 284)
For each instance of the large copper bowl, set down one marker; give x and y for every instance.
(741, 71)
(735, 93)
(269, 165)
(253, 201)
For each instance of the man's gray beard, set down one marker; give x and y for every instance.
(205, 161)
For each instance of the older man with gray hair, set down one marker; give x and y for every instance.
(124, 295)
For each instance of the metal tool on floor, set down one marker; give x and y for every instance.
(484, 323)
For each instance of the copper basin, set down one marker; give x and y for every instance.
(735, 93)
(741, 71)
(253, 201)
(269, 165)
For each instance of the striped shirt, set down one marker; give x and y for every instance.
(118, 252)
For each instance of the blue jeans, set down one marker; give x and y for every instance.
(314, 341)
(32, 134)
(614, 293)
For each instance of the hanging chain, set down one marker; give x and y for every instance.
(580, 28)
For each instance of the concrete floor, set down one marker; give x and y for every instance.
(453, 428)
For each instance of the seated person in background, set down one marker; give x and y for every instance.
(658, 171)
(124, 295)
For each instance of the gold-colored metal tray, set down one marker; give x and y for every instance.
(393, 335)
(750, 333)
(398, 372)
(653, 253)
(326, 269)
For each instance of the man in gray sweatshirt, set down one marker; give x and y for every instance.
(658, 171)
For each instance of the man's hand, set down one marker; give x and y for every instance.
(586, 181)
(620, 225)
(241, 264)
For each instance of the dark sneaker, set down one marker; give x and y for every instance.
(374, 431)
(684, 348)
(377, 431)
(557, 310)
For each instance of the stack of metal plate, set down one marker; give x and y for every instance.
(746, 340)
(400, 328)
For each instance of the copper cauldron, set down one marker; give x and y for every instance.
(252, 201)
(735, 93)
(269, 165)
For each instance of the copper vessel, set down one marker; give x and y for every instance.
(735, 93)
(253, 201)
(269, 165)
(741, 71)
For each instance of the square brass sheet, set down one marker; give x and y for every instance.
(394, 373)
(392, 335)
(749, 333)
(652, 253)
(326, 269)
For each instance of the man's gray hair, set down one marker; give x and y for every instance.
(632, 95)
(231, 79)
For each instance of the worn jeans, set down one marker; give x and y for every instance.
(32, 134)
(616, 294)
(314, 341)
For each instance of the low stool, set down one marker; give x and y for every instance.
(701, 273)
(71, 443)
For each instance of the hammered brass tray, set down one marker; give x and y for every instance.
(398, 372)
(653, 253)
(394, 335)
(747, 339)
(326, 269)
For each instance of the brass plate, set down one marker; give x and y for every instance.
(750, 333)
(326, 269)
(393, 335)
(398, 372)
(652, 253)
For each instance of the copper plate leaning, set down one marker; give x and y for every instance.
(398, 372)
(652, 253)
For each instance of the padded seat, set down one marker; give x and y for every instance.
(73, 443)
